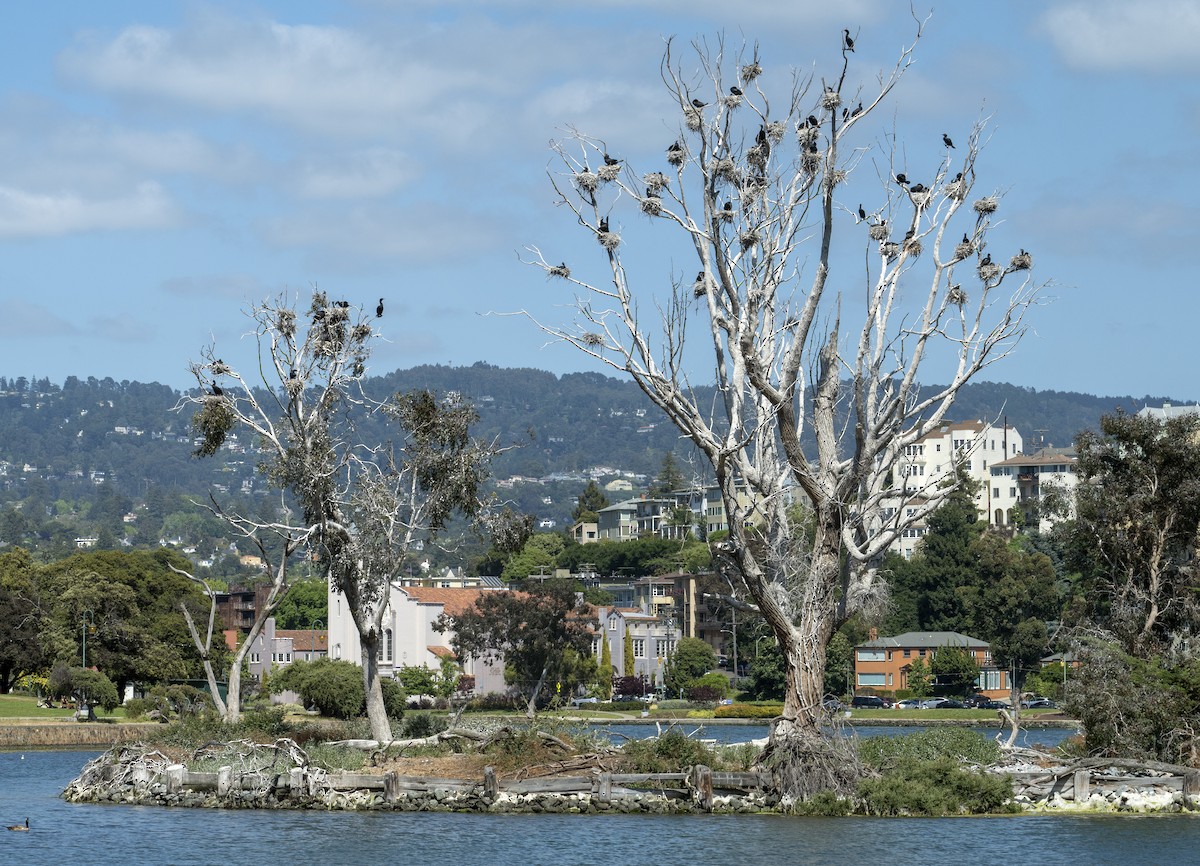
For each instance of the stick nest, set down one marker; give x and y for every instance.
(587, 181)
(878, 232)
(676, 157)
(608, 173)
(731, 101)
(811, 161)
(749, 238)
(593, 340)
(610, 240)
(986, 205)
(652, 206)
(830, 100)
(956, 296)
(559, 271)
(751, 71)
(890, 250)
(913, 248)
(963, 249)
(1022, 261)
(920, 199)
(726, 169)
(693, 118)
(989, 272)
(656, 181)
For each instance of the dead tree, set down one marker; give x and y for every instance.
(362, 506)
(809, 345)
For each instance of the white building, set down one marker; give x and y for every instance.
(408, 634)
(1022, 481)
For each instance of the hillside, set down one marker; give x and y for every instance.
(82, 454)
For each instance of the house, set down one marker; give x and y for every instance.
(409, 638)
(1019, 483)
(652, 639)
(882, 663)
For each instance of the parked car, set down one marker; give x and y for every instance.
(932, 703)
(868, 702)
(951, 704)
(991, 704)
(909, 704)
(1036, 703)
(579, 702)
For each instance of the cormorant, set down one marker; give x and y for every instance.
(966, 240)
(20, 828)
(987, 260)
(608, 160)
(217, 392)
(917, 187)
(946, 140)
(604, 225)
(651, 193)
(675, 147)
(908, 235)
(847, 40)
(735, 90)
(562, 266)
(318, 315)
(812, 121)
(901, 179)
(761, 138)
(379, 309)
(728, 206)
(845, 114)
(292, 373)
(857, 110)
(957, 177)
(696, 103)
(862, 214)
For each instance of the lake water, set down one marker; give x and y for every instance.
(77, 834)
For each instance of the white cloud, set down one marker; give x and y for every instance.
(371, 173)
(38, 214)
(1153, 35)
(24, 319)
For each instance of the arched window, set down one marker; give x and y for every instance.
(337, 650)
(999, 516)
(389, 646)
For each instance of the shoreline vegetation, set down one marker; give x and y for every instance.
(562, 763)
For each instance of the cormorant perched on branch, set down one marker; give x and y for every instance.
(604, 225)
(319, 315)
(608, 160)
(966, 240)
(987, 260)
(862, 214)
(957, 177)
(735, 90)
(849, 43)
(917, 187)
(675, 147)
(216, 389)
(728, 207)
(379, 310)
(946, 140)
(902, 179)
(857, 111)
(696, 103)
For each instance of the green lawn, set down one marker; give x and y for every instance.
(25, 707)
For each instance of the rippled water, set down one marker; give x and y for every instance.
(65, 833)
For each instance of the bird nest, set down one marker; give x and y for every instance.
(749, 239)
(608, 172)
(830, 100)
(834, 178)
(676, 157)
(751, 71)
(610, 240)
(957, 190)
(775, 130)
(286, 322)
(963, 249)
(700, 287)
(725, 216)
(1022, 261)
(587, 181)
(731, 101)
(726, 169)
(652, 206)
(878, 232)
(693, 118)
(986, 205)
(811, 161)
(956, 295)
(989, 272)
(913, 248)
(806, 135)
(360, 333)
(920, 199)
(757, 156)
(593, 340)
(655, 180)
(890, 250)
(559, 271)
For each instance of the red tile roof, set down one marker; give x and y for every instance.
(302, 639)
(453, 601)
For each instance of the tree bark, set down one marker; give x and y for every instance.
(381, 728)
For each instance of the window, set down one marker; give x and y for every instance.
(870, 655)
(612, 623)
(995, 492)
(288, 658)
(1012, 491)
(639, 647)
(908, 653)
(389, 646)
(871, 679)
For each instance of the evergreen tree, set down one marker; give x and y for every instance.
(591, 500)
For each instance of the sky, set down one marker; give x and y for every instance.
(164, 165)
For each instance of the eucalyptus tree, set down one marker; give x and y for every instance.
(355, 508)
(812, 337)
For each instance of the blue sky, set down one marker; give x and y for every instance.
(164, 164)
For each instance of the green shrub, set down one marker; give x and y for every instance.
(395, 699)
(935, 787)
(824, 804)
(955, 744)
(333, 686)
(671, 752)
(748, 711)
(137, 708)
(418, 725)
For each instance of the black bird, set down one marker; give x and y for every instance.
(20, 828)
(217, 392)
(735, 91)
(957, 177)
(812, 121)
(292, 373)
(379, 310)
(847, 40)
(761, 138)
(696, 103)
(966, 240)
(562, 266)
(318, 315)
(917, 187)
(845, 113)
(651, 193)
(345, 305)
(862, 214)
(608, 160)
(675, 147)
(946, 140)
(987, 260)
(857, 110)
(728, 207)
(604, 225)
(908, 235)
(901, 179)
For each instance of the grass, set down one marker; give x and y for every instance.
(17, 706)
